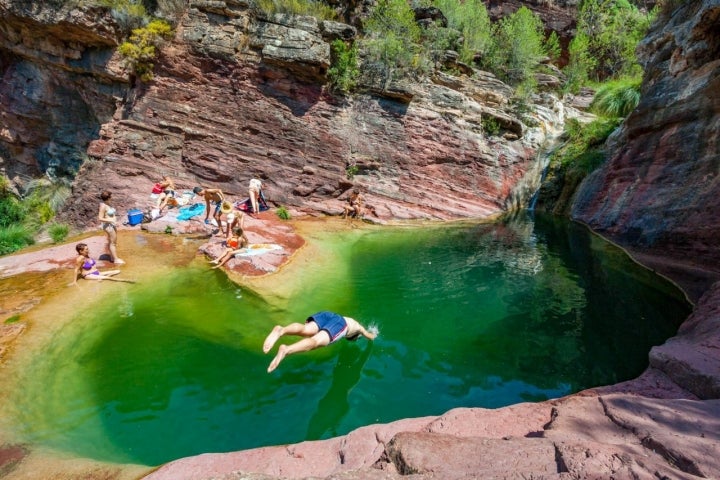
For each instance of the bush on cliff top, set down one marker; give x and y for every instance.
(139, 50)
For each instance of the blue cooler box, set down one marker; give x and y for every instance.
(135, 216)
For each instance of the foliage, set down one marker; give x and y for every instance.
(20, 219)
(129, 14)
(58, 232)
(14, 237)
(351, 171)
(582, 149)
(552, 46)
(393, 36)
(581, 62)
(11, 211)
(312, 8)
(344, 71)
(42, 199)
(617, 98)
(520, 46)
(490, 126)
(282, 213)
(613, 29)
(471, 19)
(139, 50)
(13, 319)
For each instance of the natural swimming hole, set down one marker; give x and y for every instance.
(482, 315)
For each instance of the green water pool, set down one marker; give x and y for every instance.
(469, 316)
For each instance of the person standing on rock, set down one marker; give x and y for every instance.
(255, 191)
(215, 196)
(320, 329)
(108, 216)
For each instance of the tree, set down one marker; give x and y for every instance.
(393, 35)
(520, 45)
(613, 29)
(471, 19)
(580, 64)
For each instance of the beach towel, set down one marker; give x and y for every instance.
(186, 213)
(258, 249)
(246, 205)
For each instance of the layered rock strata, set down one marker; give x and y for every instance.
(658, 194)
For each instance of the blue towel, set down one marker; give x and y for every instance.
(186, 213)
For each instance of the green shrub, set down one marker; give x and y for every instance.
(282, 213)
(139, 50)
(13, 319)
(317, 9)
(11, 211)
(613, 29)
(129, 14)
(580, 64)
(58, 232)
(471, 19)
(490, 126)
(344, 71)
(392, 37)
(582, 149)
(351, 171)
(617, 98)
(14, 237)
(520, 46)
(552, 46)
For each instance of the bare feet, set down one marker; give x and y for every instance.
(282, 351)
(272, 338)
(119, 261)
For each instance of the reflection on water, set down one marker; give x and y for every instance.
(484, 315)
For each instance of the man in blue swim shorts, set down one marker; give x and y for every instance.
(320, 329)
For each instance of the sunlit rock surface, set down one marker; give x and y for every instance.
(225, 107)
(658, 195)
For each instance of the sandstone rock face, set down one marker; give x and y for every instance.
(659, 192)
(60, 82)
(237, 96)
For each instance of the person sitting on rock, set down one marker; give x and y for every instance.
(85, 267)
(167, 194)
(233, 245)
(354, 208)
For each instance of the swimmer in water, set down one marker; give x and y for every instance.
(319, 330)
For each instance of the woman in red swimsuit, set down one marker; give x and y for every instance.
(234, 244)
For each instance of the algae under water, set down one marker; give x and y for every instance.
(469, 316)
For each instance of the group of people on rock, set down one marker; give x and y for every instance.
(215, 201)
(318, 330)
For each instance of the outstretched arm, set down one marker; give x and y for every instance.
(366, 334)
